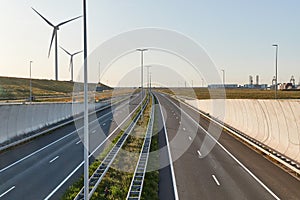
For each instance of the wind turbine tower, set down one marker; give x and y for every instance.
(71, 60)
(54, 36)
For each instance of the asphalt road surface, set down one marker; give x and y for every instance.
(47, 165)
(38, 168)
(230, 170)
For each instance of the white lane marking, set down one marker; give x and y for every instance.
(45, 147)
(71, 174)
(103, 124)
(91, 154)
(94, 131)
(51, 161)
(78, 142)
(234, 158)
(169, 153)
(190, 138)
(199, 153)
(183, 128)
(176, 117)
(216, 180)
(179, 122)
(7, 191)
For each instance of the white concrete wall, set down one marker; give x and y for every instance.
(274, 123)
(19, 119)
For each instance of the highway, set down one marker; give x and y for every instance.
(46, 166)
(231, 170)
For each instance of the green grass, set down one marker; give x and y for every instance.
(121, 178)
(151, 181)
(204, 93)
(18, 88)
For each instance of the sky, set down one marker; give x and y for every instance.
(237, 35)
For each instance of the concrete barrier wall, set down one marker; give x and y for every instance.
(20, 119)
(273, 123)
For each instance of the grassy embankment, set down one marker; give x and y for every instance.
(204, 93)
(17, 90)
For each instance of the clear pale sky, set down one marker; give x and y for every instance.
(237, 34)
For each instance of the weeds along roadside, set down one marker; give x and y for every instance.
(119, 176)
(73, 190)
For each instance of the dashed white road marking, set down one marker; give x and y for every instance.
(216, 180)
(190, 138)
(7, 191)
(94, 131)
(78, 142)
(183, 128)
(53, 159)
(199, 153)
(103, 124)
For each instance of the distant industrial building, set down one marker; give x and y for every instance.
(250, 85)
(289, 86)
(215, 86)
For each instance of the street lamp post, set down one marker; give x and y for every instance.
(276, 67)
(148, 83)
(86, 124)
(223, 71)
(99, 74)
(30, 84)
(142, 73)
(150, 80)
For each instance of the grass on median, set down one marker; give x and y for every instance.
(151, 181)
(74, 189)
(120, 174)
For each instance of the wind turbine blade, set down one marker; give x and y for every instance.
(43, 17)
(77, 53)
(53, 35)
(68, 21)
(65, 51)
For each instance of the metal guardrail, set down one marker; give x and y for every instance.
(100, 172)
(136, 186)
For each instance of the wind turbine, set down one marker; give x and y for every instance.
(54, 35)
(71, 60)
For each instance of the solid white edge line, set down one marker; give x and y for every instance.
(73, 172)
(54, 159)
(7, 191)
(232, 156)
(169, 153)
(244, 139)
(54, 142)
(63, 182)
(216, 180)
